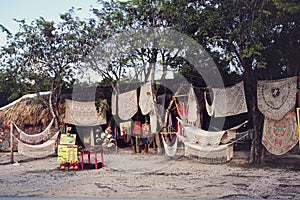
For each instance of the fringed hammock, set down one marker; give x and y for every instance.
(170, 150)
(39, 150)
(36, 138)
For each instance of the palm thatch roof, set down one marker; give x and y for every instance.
(29, 111)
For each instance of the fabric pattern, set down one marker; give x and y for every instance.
(280, 136)
(83, 114)
(229, 101)
(146, 98)
(192, 106)
(127, 104)
(276, 98)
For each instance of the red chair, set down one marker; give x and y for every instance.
(90, 152)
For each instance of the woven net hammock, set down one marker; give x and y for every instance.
(170, 150)
(36, 138)
(39, 150)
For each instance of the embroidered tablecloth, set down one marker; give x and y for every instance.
(276, 98)
(127, 104)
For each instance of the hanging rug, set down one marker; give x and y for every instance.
(280, 136)
(276, 98)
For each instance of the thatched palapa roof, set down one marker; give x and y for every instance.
(29, 111)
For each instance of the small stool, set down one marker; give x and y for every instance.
(88, 153)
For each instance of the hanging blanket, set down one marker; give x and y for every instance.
(229, 101)
(83, 113)
(276, 98)
(192, 106)
(280, 136)
(127, 104)
(146, 98)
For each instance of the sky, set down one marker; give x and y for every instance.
(33, 9)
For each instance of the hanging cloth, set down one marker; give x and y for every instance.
(127, 104)
(192, 106)
(276, 98)
(229, 101)
(182, 110)
(280, 136)
(146, 98)
(125, 128)
(114, 103)
(153, 122)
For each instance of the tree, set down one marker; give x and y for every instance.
(253, 37)
(47, 54)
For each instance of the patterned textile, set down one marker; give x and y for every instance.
(229, 101)
(137, 128)
(113, 103)
(125, 128)
(280, 136)
(276, 98)
(127, 104)
(36, 138)
(83, 114)
(146, 98)
(192, 106)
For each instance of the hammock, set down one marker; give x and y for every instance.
(213, 138)
(39, 150)
(213, 154)
(276, 98)
(36, 138)
(170, 150)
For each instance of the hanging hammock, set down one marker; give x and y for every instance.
(36, 138)
(39, 150)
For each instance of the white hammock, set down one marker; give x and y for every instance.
(170, 150)
(36, 138)
(38, 150)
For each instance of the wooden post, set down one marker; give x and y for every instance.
(11, 143)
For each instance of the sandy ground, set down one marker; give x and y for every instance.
(128, 175)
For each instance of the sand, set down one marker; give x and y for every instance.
(129, 175)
